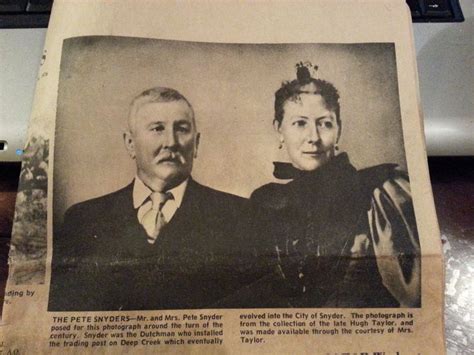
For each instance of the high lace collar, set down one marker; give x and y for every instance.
(287, 171)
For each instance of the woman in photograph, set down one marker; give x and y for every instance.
(343, 237)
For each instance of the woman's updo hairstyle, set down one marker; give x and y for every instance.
(306, 84)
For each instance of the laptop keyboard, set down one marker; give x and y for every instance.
(25, 13)
(435, 10)
(35, 13)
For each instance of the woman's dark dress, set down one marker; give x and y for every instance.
(342, 237)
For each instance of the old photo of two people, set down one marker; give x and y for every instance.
(320, 232)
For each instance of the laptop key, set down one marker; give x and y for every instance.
(39, 5)
(414, 6)
(12, 5)
(436, 8)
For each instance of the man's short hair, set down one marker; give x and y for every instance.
(156, 94)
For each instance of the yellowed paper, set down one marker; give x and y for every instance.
(170, 110)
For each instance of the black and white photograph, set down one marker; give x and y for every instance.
(193, 175)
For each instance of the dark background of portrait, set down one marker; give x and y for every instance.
(231, 87)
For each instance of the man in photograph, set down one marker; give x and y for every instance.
(162, 242)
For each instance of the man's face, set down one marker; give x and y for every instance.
(162, 138)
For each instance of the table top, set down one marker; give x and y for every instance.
(453, 189)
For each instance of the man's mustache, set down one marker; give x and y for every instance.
(170, 156)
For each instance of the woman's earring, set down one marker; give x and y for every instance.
(281, 144)
(336, 147)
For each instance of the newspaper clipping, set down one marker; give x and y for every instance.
(226, 177)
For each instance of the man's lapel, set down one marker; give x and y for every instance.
(131, 232)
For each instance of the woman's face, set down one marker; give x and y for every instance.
(309, 131)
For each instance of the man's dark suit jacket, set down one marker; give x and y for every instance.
(102, 260)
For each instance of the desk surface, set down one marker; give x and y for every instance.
(453, 188)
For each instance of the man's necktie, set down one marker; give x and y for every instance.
(153, 220)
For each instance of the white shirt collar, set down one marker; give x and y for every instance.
(141, 192)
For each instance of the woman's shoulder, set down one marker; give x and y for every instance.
(384, 177)
(272, 195)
